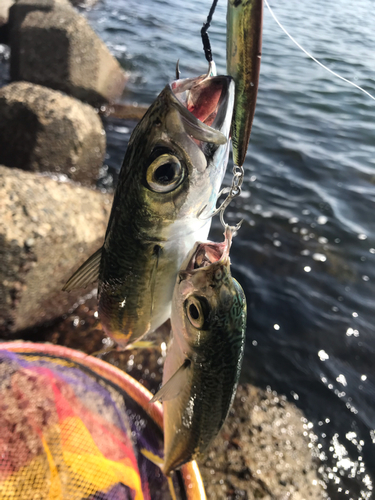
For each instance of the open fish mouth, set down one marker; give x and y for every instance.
(206, 106)
(208, 253)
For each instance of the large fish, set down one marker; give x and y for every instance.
(244, 47)
(204, 358)
(172, 171)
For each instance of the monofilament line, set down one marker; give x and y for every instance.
(313, 58)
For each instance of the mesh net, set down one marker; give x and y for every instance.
(68, 433)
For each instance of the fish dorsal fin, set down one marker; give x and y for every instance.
(173, 387)
(88, 273)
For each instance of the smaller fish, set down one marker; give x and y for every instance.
(244, 47)
(204, 358)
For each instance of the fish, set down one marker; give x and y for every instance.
(172, 171)
(204, 358)
(244, 49)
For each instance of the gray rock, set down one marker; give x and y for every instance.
(45, 130)
(17, 13)
(4, 10)
(53, 45)
(84, 3)
(264, 451)
(44, 226)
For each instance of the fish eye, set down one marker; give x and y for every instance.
(218, 274)
(197, 310)
(164, 174)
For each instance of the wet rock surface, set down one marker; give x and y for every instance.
(45, 130)
(54, 46)
(47, 229)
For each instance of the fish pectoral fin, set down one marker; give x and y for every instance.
(88, 273)
(172, 388)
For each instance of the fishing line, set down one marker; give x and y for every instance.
(313, 58)
(204, 34)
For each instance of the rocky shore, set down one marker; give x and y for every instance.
(52, 145)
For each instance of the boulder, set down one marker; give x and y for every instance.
(87, 4)
(53, 45)
(17, 13)
(45, 130)
(4, 10)
(47, 229)
(266, 449)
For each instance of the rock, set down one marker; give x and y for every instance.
(47, 229)
(17, 14)
(53, 45)
(4, 38)
(45, 130)
(262, 452)
(4, 10)
(4, 25)
(87, 4)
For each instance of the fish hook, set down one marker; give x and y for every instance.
(211, 69)
(178, 73)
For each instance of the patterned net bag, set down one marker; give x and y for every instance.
(72, 426)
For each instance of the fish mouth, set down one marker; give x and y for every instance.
(208, 253)
(206, 106)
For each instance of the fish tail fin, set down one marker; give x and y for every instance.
(159, 462)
